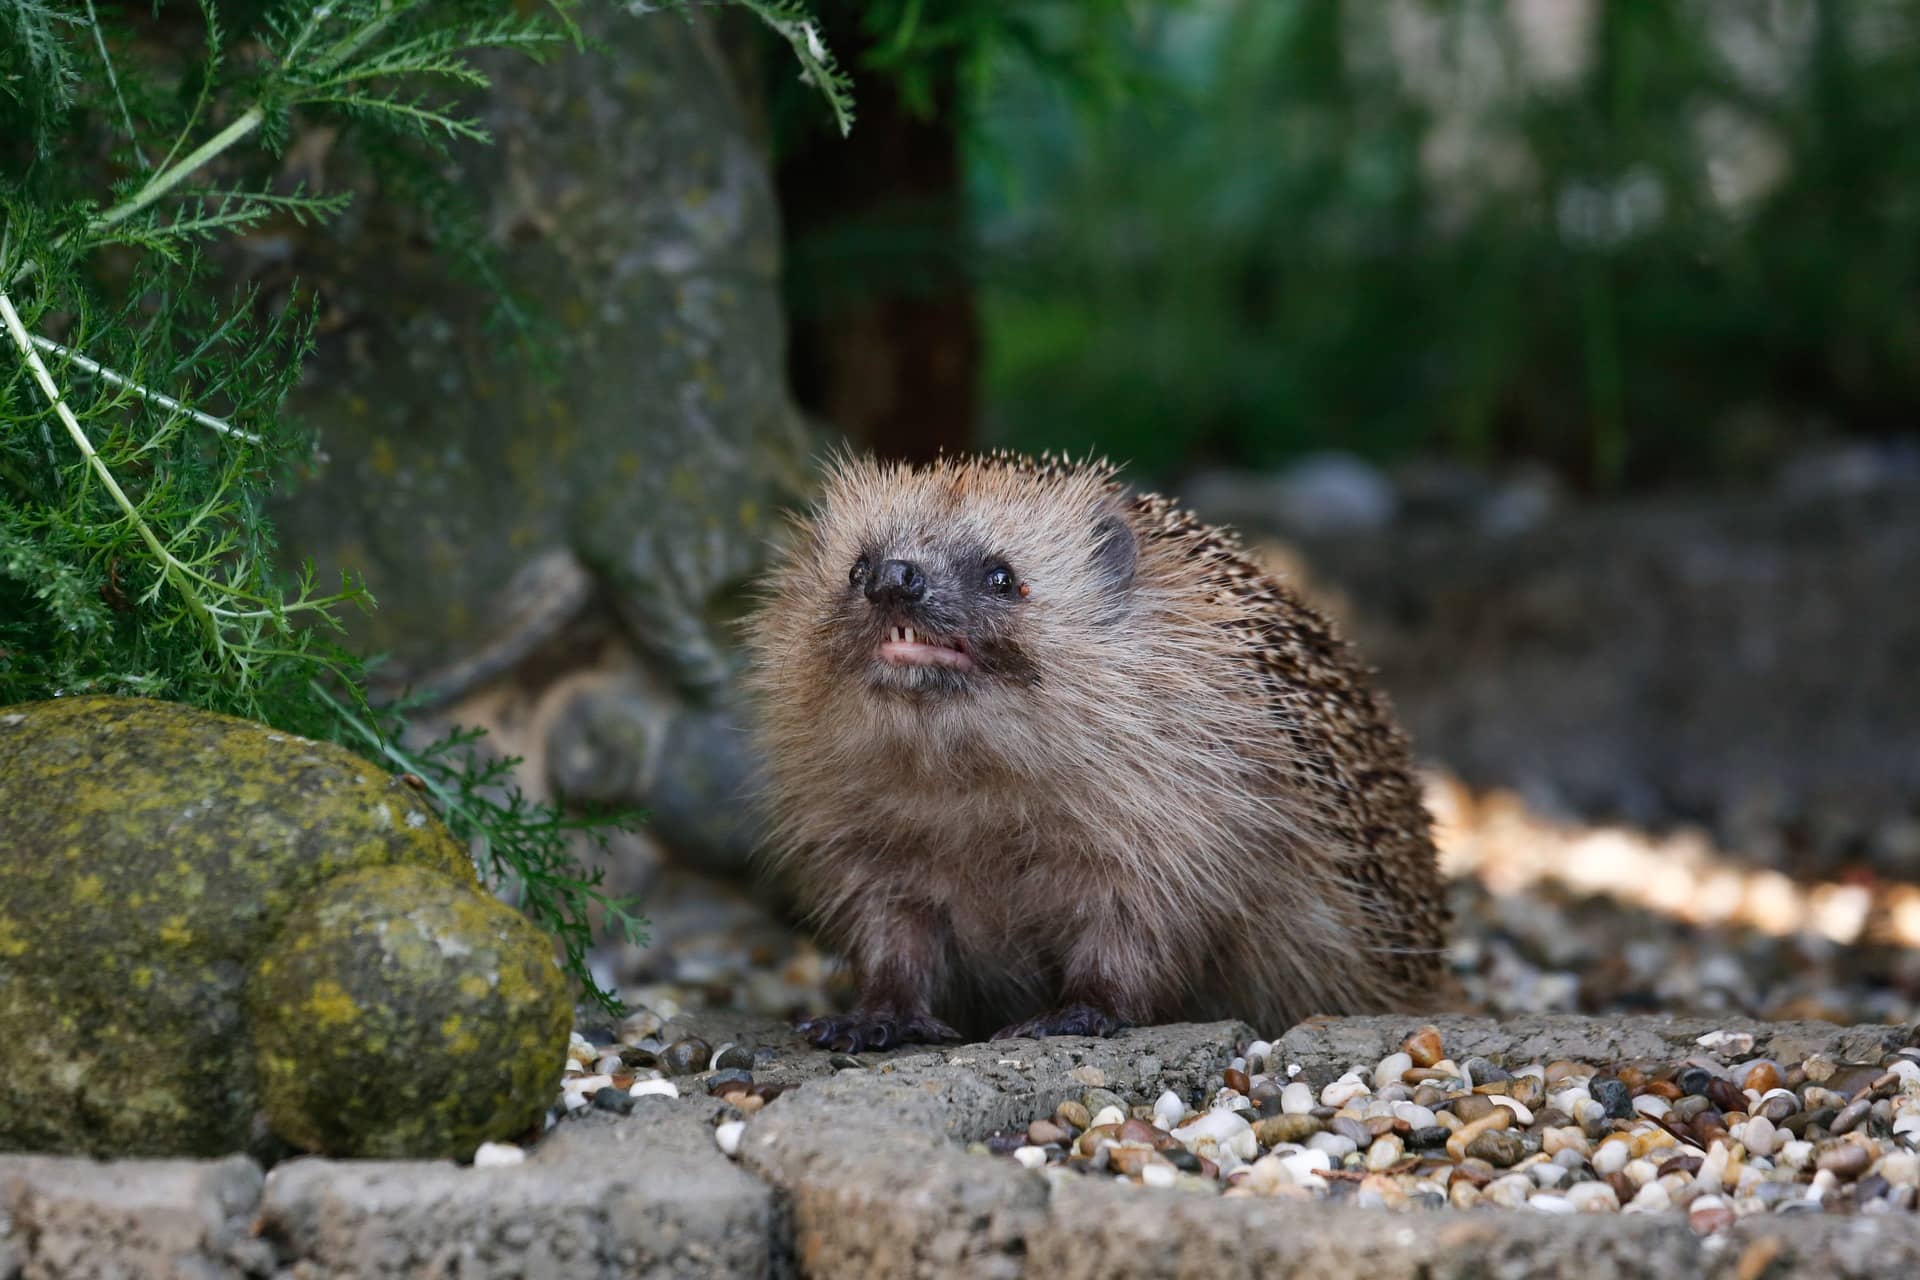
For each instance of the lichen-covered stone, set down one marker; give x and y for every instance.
(149, 855)
(401, 1013)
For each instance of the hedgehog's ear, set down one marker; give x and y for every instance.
(1115, 551)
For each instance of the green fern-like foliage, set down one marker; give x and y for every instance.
(141, 396)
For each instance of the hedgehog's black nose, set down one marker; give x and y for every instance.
(896, 582)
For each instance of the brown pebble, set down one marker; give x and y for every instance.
(1238, 1082)
(1475, 1173)
(1662, 1089)
(1274, 1130)
(1352, 1130)
(1042, 1132)
(1562, 1069)
(1680, 1164)
(1632, 1077)
(1074, 1114)
(1090, 1140)
(1498, 1147)
(1622, 1185)
(1846, 1160)
(1138, 1131)
(1474, 1107)
(1129, 1160)
(1424, 1047)
(1762, 1076)
(1724, 1096)
(1850, 1116)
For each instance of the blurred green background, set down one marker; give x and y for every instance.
(1644, 243)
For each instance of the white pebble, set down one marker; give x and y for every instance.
(1031, 1157)
(1414, 1114)
(1547, 1173)
(1109, 1114)
(1336, 1145)
(1387, 1149)
(1901, 1168)
(1713, 1170)
(1796, 1154)
(1257, 1054)
(1907, 1069)
(1154, 1175)
(497, 1155)
(1509, 1192)
(1391, 1068)
(1593, 1197)
(610, 1063)
(1652, 1105)
(1732, 1042)
(1168, 1110)
(1519, 1109)
(1296, 1099)
(1611, 1157)
(1223, 1130)
(1301, 1164)
(1641, 1172)
(1267, 1175)
(727, 1137)
(665, 1088)
(1758, 1136)
(1342, 1091)
(1551, 1204)
(1652, 1198)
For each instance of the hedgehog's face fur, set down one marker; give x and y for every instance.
(944, 582)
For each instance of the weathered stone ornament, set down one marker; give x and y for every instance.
(211, 931)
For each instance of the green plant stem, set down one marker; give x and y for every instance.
(172, 567)
(173, 175)
(161, 398)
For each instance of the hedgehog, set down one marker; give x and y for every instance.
(1045, 756)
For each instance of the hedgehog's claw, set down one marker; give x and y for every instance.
(873, 1029)
(1068, 1020)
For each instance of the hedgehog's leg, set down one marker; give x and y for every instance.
(900, 955)
(1114, 974)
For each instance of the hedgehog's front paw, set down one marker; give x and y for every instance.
(1067, 1020)
(865, 1029)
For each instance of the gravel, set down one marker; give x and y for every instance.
(1717, 1136)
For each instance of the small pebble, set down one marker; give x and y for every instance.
(663, 1088)
(1031, 1157)
(1391, 1068)
(727, 1136)
(686, 1056)
(734, 1057)
(1423, 1047)
(497, 1155)
(1296, 1099)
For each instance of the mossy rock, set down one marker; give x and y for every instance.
(369, 1041)
(150, 855)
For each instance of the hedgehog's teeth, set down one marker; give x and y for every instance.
(909, 635)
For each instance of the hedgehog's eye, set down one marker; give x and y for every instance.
(858, 574)
(1000, 578)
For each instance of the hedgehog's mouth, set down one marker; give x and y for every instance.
(905, 647)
